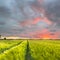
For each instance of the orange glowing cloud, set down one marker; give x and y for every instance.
(36, 20)
(46, 36)
(47, 21)
(40, 1)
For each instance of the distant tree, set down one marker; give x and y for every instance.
(0, 36)
(5, 38)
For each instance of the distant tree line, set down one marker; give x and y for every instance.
(1, 38)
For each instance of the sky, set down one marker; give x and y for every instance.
(30, 18)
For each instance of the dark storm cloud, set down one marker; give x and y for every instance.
(4, 12)
(13, 12)
(2, 23)
(52, 10)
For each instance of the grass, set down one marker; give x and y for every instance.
(5, 44)
(45, 50)
(30, 50)
(15, 53)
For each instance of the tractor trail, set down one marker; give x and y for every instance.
(11, 47)
(28, 54)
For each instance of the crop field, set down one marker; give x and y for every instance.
(29, 50)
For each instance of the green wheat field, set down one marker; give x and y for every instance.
(29, 49)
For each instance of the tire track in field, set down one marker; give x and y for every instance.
(11, 47)
(28, 54)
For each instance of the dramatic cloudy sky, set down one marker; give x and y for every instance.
(30, 18)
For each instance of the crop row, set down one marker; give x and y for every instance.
(15, 53)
